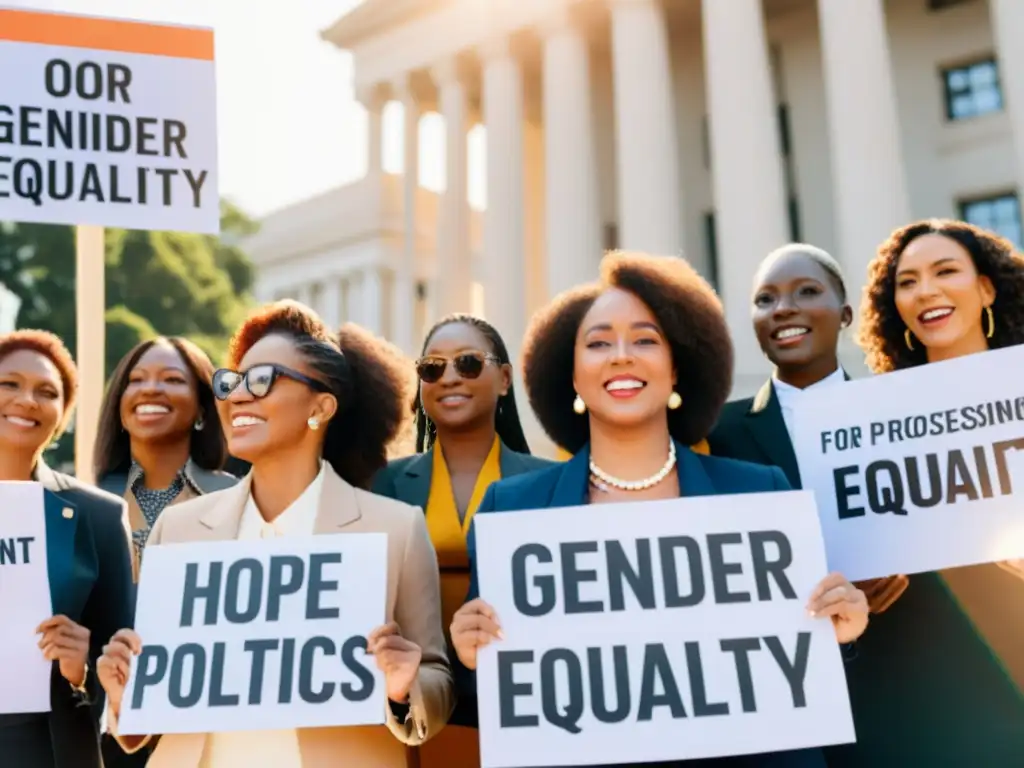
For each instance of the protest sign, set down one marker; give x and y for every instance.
(24, 598)
(107, 122)
(919, 470)
(251, 635)
(656, 631)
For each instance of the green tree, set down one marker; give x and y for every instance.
(169, 283)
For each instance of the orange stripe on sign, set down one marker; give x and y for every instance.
(106, 34)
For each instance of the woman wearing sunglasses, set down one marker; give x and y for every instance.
(468, 435)
(313, 415)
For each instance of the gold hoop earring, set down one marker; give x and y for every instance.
(906, 338)
(674, 401)
(579, 406)
(991, 322)
(313, 423)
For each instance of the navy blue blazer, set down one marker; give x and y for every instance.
(567, 485)
(90, 573)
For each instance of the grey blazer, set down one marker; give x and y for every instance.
(202, 481)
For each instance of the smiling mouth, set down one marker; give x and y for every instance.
(241, 422)
(22, 422)
(624, 387)
(934, 315)
(453, 399)
(790, 335)
(150, 409)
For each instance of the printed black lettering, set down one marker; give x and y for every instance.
(149, 670)
(235, 610)
(567, 717)
(794, 671)
(184, 692)
(1000, 450)
(319, 586)
(695, 667)
(217, 666)
(277, 587)
(641, 580)
(763, 567)
(573, 576)
(657, 674)
(741, 648)
(721, 570)
(885, 497)
(284, 688)
(544, 584)
(844, 492)
(958, 478)
(349, 661)
(674, 598)
(620, 676)
(193, 592)
(509, 690)
(306, 664)
(917, 495)
(259, 650)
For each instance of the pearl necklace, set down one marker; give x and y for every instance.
(637, 485)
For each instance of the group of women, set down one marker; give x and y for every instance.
(629, 374)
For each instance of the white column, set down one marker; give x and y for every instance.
(504, 235)
(372, 300)
(573, 219)
(454, 262)
(356, 307)
(647, 144)
(1007, 24)
(403, 302)
(746, 161)
(373, 102)
(332, 301)
(869, 181)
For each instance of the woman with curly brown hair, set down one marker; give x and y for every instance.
(624, 374)
(87, 559)
(941, 675)
(314, 414)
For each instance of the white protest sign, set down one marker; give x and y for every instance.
(107, 122)
(656, 631)
(24, 598)
(921, 469)
(254, 635)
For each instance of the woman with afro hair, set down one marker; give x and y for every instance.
(624, 374)
(313, 413)
(940, 678)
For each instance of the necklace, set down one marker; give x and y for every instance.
(637, 485)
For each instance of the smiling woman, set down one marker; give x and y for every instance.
(159, 440)
(88, 561)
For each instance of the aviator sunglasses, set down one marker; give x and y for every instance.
(469, 365)
(259, 380)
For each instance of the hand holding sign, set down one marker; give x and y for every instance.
(67, 643)
(836, 597)
(114, 666)
(473, 626)
(397, 658)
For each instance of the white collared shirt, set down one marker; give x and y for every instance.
(241, 749)
(789, 396)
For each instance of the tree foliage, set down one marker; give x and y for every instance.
(169, 283)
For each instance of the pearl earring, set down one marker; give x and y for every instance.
(674, 401)
(198, 426)
(313, 422)
(579, 406)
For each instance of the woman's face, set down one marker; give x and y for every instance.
(940, 296)
(31, 400)
(160, 403)
(260, 427)
(622, 366)
(457, 401)
(798, 312)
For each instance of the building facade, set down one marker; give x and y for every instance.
(713, 129)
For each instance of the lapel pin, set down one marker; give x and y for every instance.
(68, 513)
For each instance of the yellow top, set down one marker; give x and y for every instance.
(446, 531)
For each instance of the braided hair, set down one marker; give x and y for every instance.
(506, 416)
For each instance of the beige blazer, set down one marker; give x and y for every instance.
(413, 601)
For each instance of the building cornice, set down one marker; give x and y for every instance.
(372, 17)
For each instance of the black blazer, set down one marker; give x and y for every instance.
(90, 571)
(566, 485)
(408, 479)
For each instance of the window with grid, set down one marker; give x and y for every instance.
(999, 213)
(972, 89)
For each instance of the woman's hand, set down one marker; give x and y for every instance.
(397, 658)
(846, 605)
(114, 666)
(67, 643)
(474, 625)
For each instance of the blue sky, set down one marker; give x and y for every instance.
(287, 121)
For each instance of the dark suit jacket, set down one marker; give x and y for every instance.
(566, 485)
(408, 479)
(90, 573)
(924, 687)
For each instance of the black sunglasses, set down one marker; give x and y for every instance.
(469, 365)
(259, 380)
